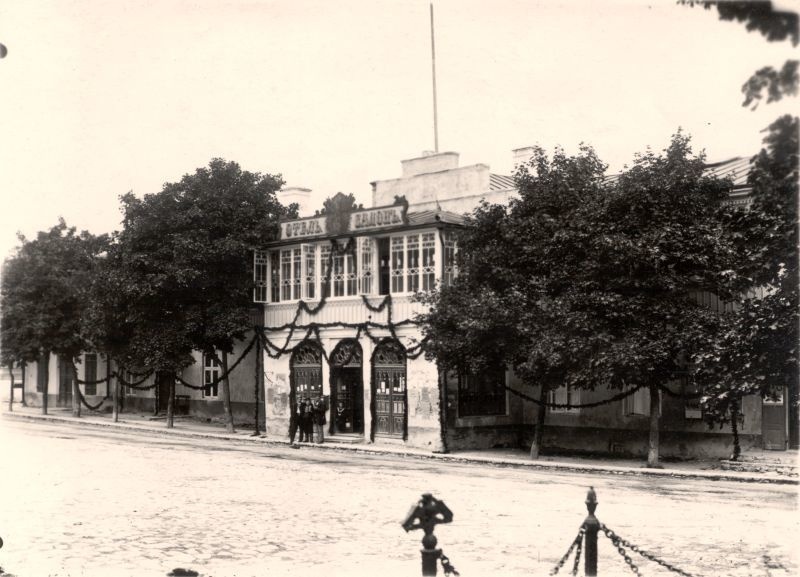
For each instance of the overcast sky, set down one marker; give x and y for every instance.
(99, 98)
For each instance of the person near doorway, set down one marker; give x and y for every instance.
(318, 415)
(294, 423)
(306, 421)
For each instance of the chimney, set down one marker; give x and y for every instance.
(302, 196)
(522, 155)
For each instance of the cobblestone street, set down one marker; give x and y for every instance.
(80, 501)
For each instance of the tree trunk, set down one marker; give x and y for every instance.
(76, 392)
(11, 392)
(115, 394)
(171, 404)
(655, 418)
(737, 449)
(226, 395)
(46, 385)
(536, 446)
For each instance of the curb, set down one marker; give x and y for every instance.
(733, 476)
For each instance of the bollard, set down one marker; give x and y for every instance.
(591, 526)
(425, 515)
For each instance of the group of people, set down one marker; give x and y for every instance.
(308, 417)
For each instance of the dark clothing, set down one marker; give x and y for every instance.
(294, 423)
(306, 421)
(319, 419)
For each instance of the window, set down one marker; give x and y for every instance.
(90, 373)
(309, 269)
(412, 260)
(344, 276)
(398, 264)
(291, 264)
(483, 394)
(428, 261)
(41, 374)
(366, 265)
(774, 396)
(275, 276)
(324, 268)
(261, 272)
(450, 270)
(691, 405)
(211, 372)
(564, 395)
(638, 403)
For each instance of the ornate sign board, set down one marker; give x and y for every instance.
(359, 220)
(304, 228)
(377, 218)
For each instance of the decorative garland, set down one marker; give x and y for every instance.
(223, 376)
(614, 399)
(87, 405)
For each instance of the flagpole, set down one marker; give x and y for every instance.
(433, 66)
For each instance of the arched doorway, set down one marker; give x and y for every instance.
(306, 372)
(347, 389)
(389, 389)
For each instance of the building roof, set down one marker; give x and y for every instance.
(501, 182)
(424, 217)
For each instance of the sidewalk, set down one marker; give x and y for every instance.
(779, 467)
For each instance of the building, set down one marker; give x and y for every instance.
(339, 315)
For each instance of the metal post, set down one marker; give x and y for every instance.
(425, 515)
(591, 526)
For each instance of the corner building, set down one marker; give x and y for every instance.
(339, 309)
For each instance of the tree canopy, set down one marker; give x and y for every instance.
(44, 293)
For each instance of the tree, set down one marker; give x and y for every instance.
(521, 310)
(661, 240)
(44, 296)
(597, 281)
(183, 264)
(757, 350)
(775, 26)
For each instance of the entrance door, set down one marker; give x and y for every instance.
(389, 389)
(306, 367)
(347, 389)
(64, 383)
(773, 423)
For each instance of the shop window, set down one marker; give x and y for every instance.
(482, 394)
(344, 276)
(564, 395)
(90, 373)
(211, 372)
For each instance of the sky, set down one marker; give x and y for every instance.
(101, 98)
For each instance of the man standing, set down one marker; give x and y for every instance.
(319, 419)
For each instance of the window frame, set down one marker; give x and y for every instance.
(211, 372)
(564, 395)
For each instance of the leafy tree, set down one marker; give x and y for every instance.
(44, 295)
(775, 26)
(183, 266)
(597, 282)
(520, 309)
(757, 351)
(662, 240)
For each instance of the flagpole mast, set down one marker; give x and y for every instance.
(433, 66)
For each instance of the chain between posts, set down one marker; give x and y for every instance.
(577, 542)
(620, 543)
(447, 567)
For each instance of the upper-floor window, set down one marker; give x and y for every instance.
(449, 268)
(397, 264)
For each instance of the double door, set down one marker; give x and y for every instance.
(347, 414)
(390, 400)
